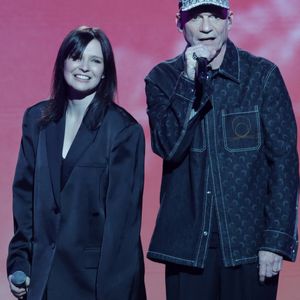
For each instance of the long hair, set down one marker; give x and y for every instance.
(73, 46)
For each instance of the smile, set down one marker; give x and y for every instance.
(82, 77)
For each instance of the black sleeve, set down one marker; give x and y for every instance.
(170, 101)
(121, 266)
(19, 253)
(281, 149)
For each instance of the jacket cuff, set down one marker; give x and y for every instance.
(185, 88)
(280, 243)
(19, 266)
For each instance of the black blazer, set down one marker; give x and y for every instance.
(80, 239)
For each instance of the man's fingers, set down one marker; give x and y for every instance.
(265, 268)
(262, 271)
(277, 264)
(269, 264)
(269, 270)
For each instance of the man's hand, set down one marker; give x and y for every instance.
(191, 54)
(16, 291)
(269, 264)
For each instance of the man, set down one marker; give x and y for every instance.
(222, 121)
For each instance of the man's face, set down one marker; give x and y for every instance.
(206, 25)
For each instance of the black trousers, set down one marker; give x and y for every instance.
(215, 282)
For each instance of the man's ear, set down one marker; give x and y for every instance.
(230, 19)
(178, 22)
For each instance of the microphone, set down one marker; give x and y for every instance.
(18, 279)
(202, 69)
(202, 84)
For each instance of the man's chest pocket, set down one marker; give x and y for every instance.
(241, 129)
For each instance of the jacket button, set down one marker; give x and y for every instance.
(205, 233)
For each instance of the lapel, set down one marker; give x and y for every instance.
(83, 139)
(54, 142)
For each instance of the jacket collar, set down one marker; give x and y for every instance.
(83, 140)
(54, 142)
(230, 66)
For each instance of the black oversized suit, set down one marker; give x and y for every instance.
(77, 223)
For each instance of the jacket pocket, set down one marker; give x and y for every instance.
(241, 130)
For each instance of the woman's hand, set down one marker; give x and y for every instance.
(19, 292)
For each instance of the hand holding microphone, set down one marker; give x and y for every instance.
(18, 279)
(19, 283)
(201, 71)
(197, 59)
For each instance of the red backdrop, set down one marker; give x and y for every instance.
(142, 34)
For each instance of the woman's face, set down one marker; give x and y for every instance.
(84, 74)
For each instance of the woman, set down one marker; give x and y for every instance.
(78, 184)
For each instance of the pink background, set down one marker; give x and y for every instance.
(142, 33)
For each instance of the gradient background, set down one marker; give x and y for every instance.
(142, 33)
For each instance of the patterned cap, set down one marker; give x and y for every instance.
(189, 4)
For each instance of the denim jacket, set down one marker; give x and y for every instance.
(238, 154)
